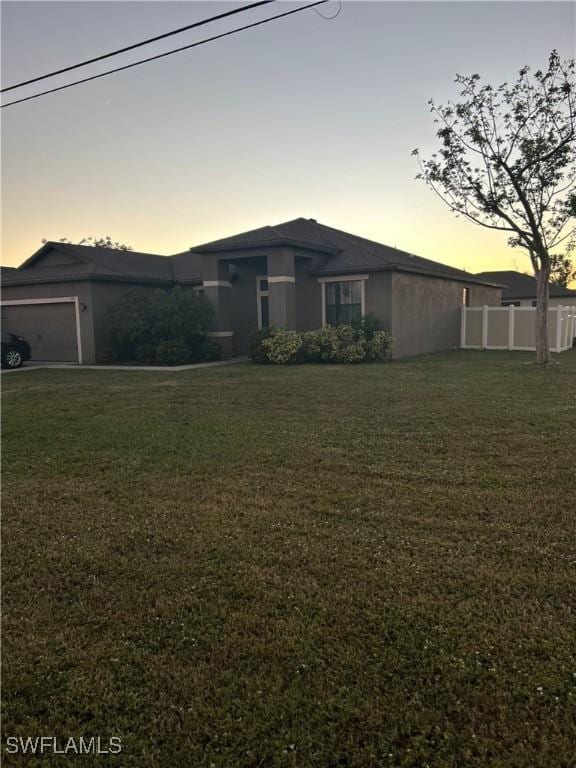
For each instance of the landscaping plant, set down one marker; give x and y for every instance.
(340, 344)
(158, 327)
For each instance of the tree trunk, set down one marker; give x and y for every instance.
(541, 328)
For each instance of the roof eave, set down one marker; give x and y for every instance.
(401, 268)
(71, 278)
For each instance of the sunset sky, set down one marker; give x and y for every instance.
(300, 117)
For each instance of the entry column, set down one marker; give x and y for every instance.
(217, 288)
(282, 289)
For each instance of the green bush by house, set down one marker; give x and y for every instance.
(158, 327)
(363, 343)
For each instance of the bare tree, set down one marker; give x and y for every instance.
(508, 162)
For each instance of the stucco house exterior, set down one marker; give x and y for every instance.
(520, 290)
(296, 275)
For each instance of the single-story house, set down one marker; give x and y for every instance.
(296, 275)
(520, 290)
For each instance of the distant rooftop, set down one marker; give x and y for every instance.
(521, 286)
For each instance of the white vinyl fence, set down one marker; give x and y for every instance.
(514, 328)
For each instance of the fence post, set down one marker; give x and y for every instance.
(511, 326)
(484, 326)
(463, 327)
(558, 328)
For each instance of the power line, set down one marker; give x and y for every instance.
(138, 45)
(168, 53)
(330, 18)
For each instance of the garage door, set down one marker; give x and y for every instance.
(50, 329)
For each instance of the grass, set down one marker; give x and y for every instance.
(311, 567)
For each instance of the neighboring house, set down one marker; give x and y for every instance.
(297, 275)
(520, 290)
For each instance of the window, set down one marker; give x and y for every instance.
(343, 302)
(262, 302)
(466, 297)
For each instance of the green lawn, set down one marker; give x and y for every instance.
(321, 567)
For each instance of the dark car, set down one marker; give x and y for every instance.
(15, 350)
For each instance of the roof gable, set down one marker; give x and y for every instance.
(53, 255)
(69, 259)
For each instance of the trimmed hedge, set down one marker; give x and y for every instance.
(341, 344)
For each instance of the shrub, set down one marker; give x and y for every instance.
(378, 347)
(257, 353)
(342, 344)
(319, 346)
(160, 327)
(368, 325)
(146, 353)
(282, 347)
(172, 353)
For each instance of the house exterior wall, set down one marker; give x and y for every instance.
(379, 298)
(481, 295)
(308, 298)
(82, 289)
(426, 312)
(422, 313)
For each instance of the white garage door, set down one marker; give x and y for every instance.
(49, 328)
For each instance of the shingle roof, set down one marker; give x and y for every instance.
(88, 261)
(187, 267)
(520, 286)
(343, 252)
(339, 252)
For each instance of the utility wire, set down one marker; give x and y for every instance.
(168, 53)
(139, 45)
(330, 18)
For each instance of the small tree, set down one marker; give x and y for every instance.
(96, 242)
(508, 162)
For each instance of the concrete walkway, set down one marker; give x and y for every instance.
(162, 368)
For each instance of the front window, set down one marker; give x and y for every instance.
(343, 302)
(262, 302)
